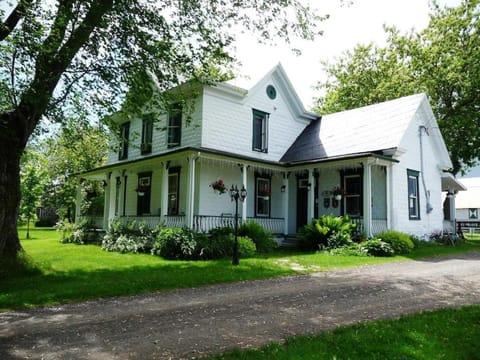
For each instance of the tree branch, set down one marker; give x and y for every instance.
(15, 16)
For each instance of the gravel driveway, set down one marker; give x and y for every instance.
(195, 322)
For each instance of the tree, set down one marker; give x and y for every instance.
(32, 182)
(89, 52)
(77, 147)
(443, 61)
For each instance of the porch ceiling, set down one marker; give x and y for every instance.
(449, 183)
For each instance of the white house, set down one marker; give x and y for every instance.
(467, 203)
(389, 159)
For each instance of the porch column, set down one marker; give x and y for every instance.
(164, 193)
(311, 196)
(78, 202)
(285, 203)
(453, 214)
(388, 200)
(106, 204)
(367, 202)
(191, 191)
(244, 203)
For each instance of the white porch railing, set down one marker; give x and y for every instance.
(273, 225)
(205, 223)
(378, 225)
(151, 220)
(174, 221)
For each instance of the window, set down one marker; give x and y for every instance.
(124, 135)
(118, 182)
(260, 127)
(174, 129)
(352, 199)
(262, 196)
(473, 213)
(173, 185)
(413, 198)
(147, 132)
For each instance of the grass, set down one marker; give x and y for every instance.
(68, 273)
(442, 334)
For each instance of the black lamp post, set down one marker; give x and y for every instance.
(236, 194)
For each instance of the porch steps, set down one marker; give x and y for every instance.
(287, 242)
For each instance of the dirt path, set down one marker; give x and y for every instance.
(195, 322)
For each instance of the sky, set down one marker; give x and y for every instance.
(350, 23)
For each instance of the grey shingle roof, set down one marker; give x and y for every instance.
(369, 129)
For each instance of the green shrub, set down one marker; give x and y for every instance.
(316, 235)
(221, 246)
(263, 240)
(82, 233)
(246, 247)
(175, 244)
(400, 242)
(215, 246)
(377, 247)
(131, 237)
(353, 249)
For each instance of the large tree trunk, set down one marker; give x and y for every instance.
(10, 153)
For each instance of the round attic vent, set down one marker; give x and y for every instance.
(271, 92)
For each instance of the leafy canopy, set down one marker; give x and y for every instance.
(443, 61)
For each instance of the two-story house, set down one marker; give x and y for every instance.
(389, 161)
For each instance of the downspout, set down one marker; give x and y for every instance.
(422, 172)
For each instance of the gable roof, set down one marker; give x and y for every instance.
(278, 74)
(370, 129)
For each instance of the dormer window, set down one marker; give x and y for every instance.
(124, 137)
(147, 132)
(260, 131)
(174, 128)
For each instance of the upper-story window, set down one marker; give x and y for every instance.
(174, 128)
(260, 131)
(147, 132)
(413, 195)
(124, 136)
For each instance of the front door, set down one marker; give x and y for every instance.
(302, 202)
(143, 193)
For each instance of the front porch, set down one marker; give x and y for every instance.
(176, 191)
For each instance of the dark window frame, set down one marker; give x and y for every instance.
(259, 197)
(345, 174)
(260, 124)
(174, 171)
(413, 196)
(174, 127)
(147, 136)
(124, 139)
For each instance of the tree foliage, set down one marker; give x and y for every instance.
(442, 60)
(33, 178)
(86, 54)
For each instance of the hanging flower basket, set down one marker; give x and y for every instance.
(338, 192)
(219, 187)
(264, 192)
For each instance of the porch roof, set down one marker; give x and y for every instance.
(99, 172)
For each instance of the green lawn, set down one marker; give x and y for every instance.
(69, 272)
(442, 334)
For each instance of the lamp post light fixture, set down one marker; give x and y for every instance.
(236, 194)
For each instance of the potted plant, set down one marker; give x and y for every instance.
(219, 186)
(264, 192)
(141, 190)
(338, 192)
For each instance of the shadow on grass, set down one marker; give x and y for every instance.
(56, 287)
